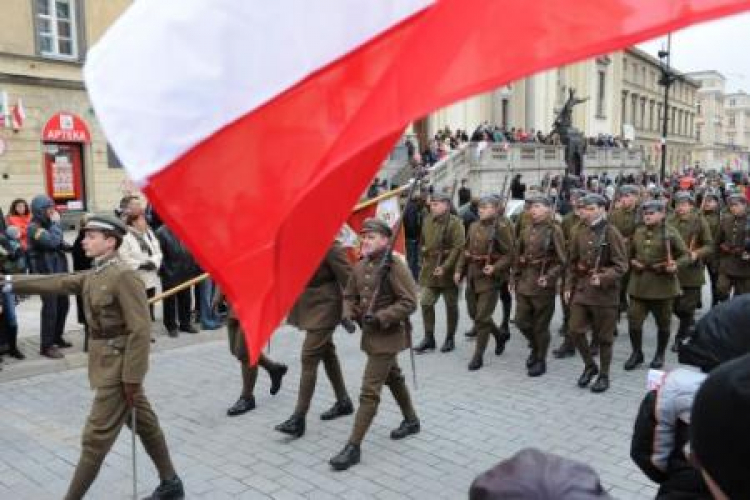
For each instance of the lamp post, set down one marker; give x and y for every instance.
(667, 79)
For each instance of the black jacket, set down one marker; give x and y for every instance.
(178, 264)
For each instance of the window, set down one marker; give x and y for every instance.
(698, 133)
(732, 102)
(731, 119)
(56, 28)
(601, 92)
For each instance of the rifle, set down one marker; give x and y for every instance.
(667, 243)
(384, 270)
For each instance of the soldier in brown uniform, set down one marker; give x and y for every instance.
(442, 242)
(318, 311)
(695, 232)
(539, 264)
(384, 334)
(597, 259)
(711, 206)
(653, 284)
(570, 224)
(116, 309)
(485, 263)
(238, 348)
(626, 219)
(733, 242)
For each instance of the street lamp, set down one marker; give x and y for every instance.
(667, 79)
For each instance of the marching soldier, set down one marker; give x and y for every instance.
(733, 242)
(695, 232)
(442, 243)
(656, 252)
(625, 219)
(485, 263)
(597, 261)
(318, 311)
(712, 213)
(117, 315)
(238, 348)
(570, 224)
(384, 334)
(539, 263)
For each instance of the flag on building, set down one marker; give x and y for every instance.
(260, 123)
(18, 115)
(5, 110)
(385, 207)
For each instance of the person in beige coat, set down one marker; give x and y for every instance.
(141, 252)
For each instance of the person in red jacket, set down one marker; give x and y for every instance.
(20, 216)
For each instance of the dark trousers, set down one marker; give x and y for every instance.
(412, 257)
(179, 304)
(151, 293)
(53, 316)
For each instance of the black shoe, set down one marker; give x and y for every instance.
(243, 405)
(634, 361)
(52, 353)
(15, 353)
(538, 369)
(173, 332)
(588, 373)
(406, 428)
(277, 373)
(62, 343)
(658, 362)
(294, 426)
(428, 344)
(448, 345)
(189, 329)
(566, 350)
(169, 489)
(475, 363)
(339, 409)
(346, 458)
(471, 333)
(601, 384)
(531, 359)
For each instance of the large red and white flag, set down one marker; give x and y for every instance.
(241, 119)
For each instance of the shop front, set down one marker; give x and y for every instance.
(64, 139)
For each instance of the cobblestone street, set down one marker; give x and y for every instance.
(470, 421)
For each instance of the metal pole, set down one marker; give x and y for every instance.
(667, 80)
(135, 463)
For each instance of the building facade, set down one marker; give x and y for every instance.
(624, 99)
(723, 124)
(59, 149)
(642, 111)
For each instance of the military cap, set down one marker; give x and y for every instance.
(653, 206)
(736, 198)
(374, 225)
(106, 223)
(712, 193)
(656, 191)
(577, 193)
(593, 199)
(490, 199)
(441, 197)
(630, 189)
(681, 196)
(539, 198)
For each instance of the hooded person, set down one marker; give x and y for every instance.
(663, 424)
(719, 433)
(46, 255)
(531, 473)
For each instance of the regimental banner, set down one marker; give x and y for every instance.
(385, 207)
